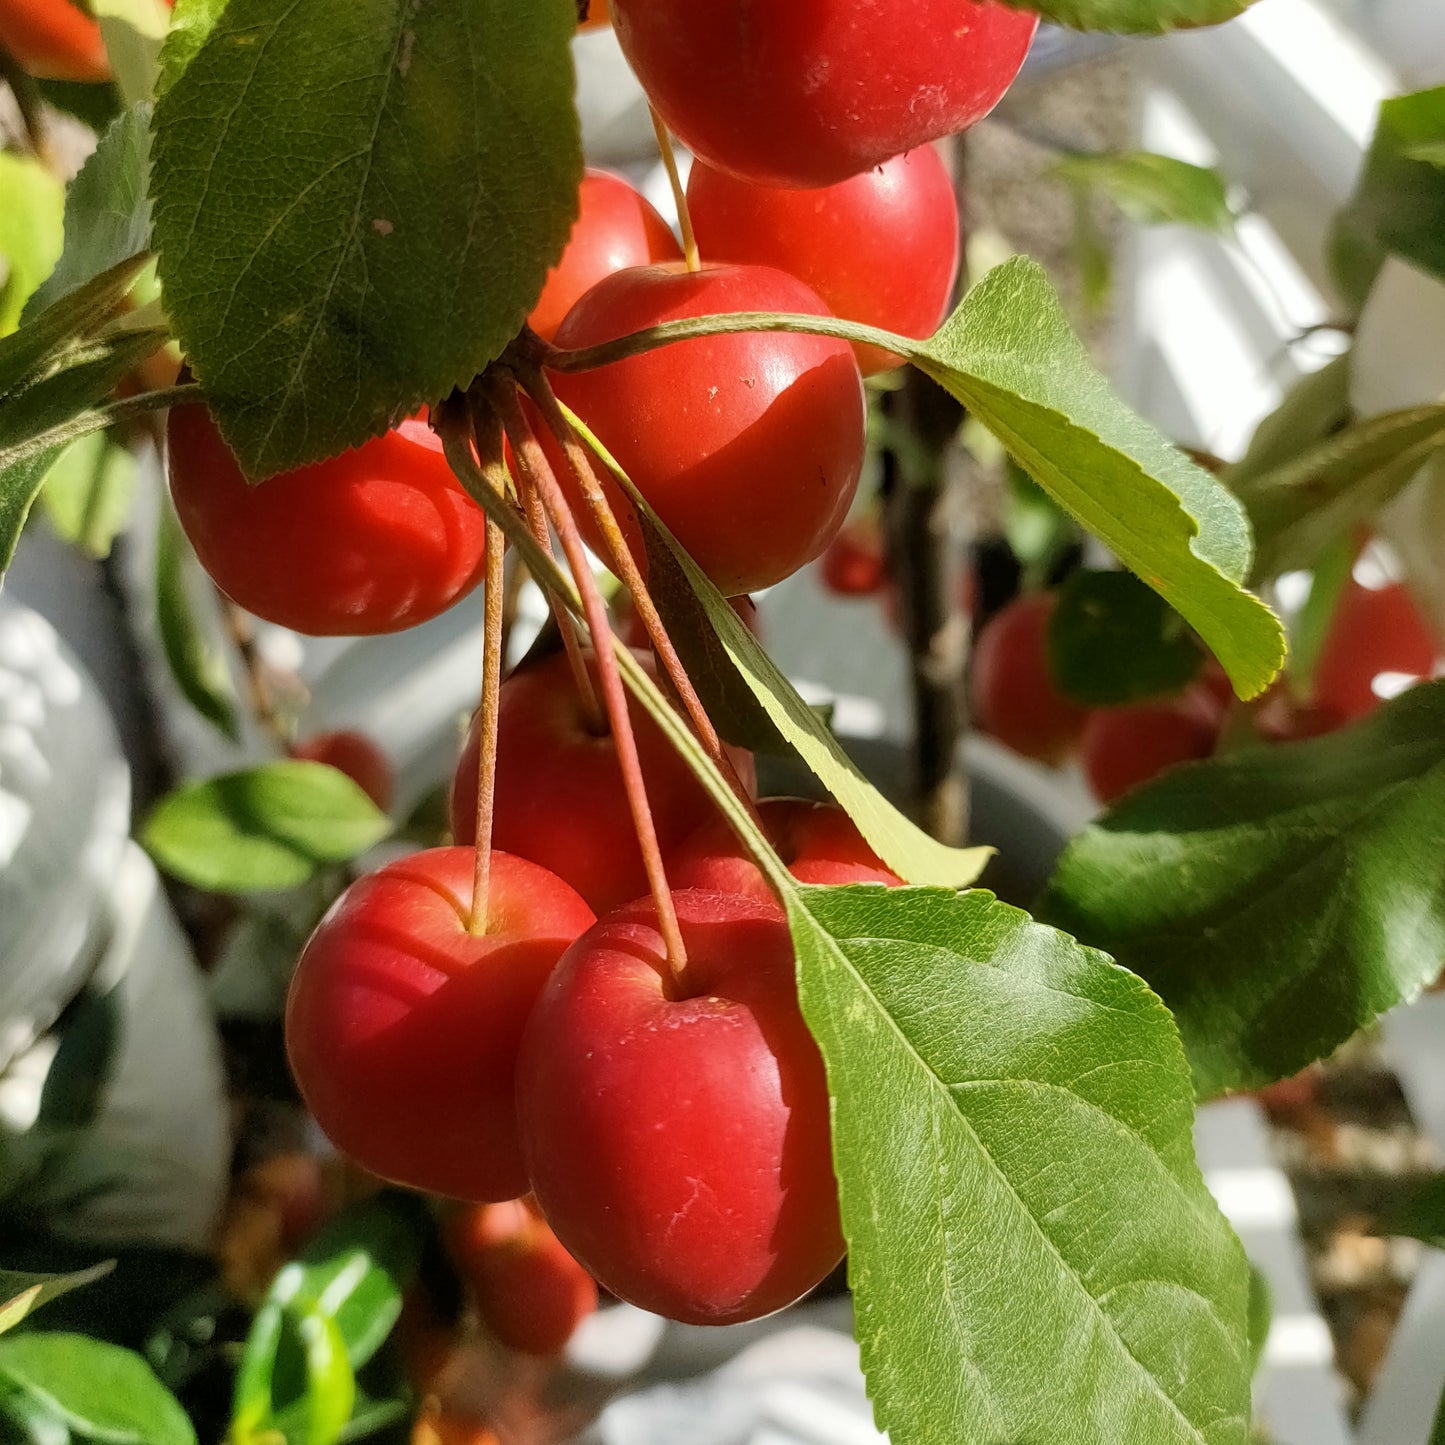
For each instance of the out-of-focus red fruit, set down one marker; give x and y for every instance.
(1289, 1096)
(438, 1426)
(1012, 686)
(854, 564)
(1124, 747)
(54, 40)
(1375, 631)
(358, 757)
(819, 843)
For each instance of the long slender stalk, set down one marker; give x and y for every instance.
(679, 194)
(537, 474)
(579, 461)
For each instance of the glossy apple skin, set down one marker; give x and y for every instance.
(748, 447)
(402, 1027)
(1124, 747)
(616, 227)
(819, 843)
(813, 91)
(678, 1140)
(881, 247)
(54, 40)
(358, 757)
(1011, 686)
(529, 1292)
(375, 540)
(559, 796)
(1373, 631)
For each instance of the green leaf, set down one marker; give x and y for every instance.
(324, 1317)
(1091, 252)
(1012, 1135)
(1153, 189)
(191, 22)
(133, 31)
(409, 174)
(1278, 900)
(1007, 353)
(1315, 407)
(1134, 17)
(199, 669)
(1422, 1216)
(1398, 207)
(1311, 625)
(22, 1293)
(20, 484)
(23, 1421)
(753, 704)
(101, 1391)
(1261, 1316)
(32, 202)
(1113, 641)
(1432, 152)
(107, 209)
(264, 828)
(88, 492)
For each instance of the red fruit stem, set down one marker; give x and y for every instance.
(679, 193)
(536, 474)
(494, 601)
(625, 565)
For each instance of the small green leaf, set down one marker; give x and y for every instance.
(1113, 641)
(1153, 189)
(1422, 1216)
(1012, 1135)
(1135, 17)
(20, 484)
(755, 705)
(1278, 900)
(133, 31)
(32, 203)
(22, 1293)
(409, 174)
(1315, 407)
(88, 492)
(199, 669)
(1310, 502)
(1311, 624)
(107, 209)
(1007, 353)
(191, 22)
(1398, 207)
(264, 828)
(100, 1391)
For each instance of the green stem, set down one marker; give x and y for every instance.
(690, 328)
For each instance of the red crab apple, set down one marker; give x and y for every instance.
(54, 39)
(813, 91)
(1012, 688)
(402, 1025)
(616, 227)
(856, 563)
(358, 757)
(1375, 631)
(819, 843)
(559, 798)
(881, 247)
(747, 446)
(375, 540)
(1125, 747)
(676, 1131)
(530, 1293)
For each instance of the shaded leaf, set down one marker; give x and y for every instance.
(20, 484)
(99, 1390)
(32, 203)
(199, 668)
(1135, 17)
(1153, 189)
(1113, 641)
(1007, 353)
(263, 828)
(1277, 900)
(1012, 1135)
(87, 494)
(1314, 408)
(1422, 1216)
(21, 1293)
(410, 173)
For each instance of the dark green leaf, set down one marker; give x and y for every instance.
(199, 669)
(408, 173)
(101, 1391)
(1277, 900)
(752, 702)
(1007, 353)
(107, 209)
(31, 231)
(1012, 1134)
(88, 492)
(191, 22)
(1314, 408)
(1398, 207)
(1422, 1216)
(20, 484)
(264, 828)
(1136, 17)
(1153, 189)
(1113, 641)
(21, 1293)
(1302, 507)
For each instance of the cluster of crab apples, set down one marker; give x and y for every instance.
(637, 1068)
